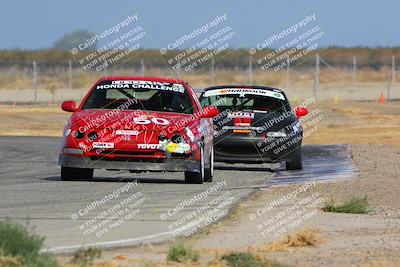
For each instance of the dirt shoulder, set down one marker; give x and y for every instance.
(357, 123)
(346, 239)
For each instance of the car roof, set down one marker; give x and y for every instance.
(244, 87)
(140, 78)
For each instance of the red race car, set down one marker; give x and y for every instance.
(138, 124)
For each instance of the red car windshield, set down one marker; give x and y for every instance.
(143, 95)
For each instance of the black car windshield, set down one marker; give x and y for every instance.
(143, 95)
(245, 100)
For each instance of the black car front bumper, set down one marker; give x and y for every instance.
(242, 148)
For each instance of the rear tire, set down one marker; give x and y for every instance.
(209, 173)
(196, 177)
(76, 174)
(296, 162)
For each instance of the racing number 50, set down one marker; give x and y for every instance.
(160, 121)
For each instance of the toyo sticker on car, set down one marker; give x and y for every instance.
(148, 146)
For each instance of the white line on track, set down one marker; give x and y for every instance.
(106, 244)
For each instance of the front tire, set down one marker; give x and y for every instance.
(296, 162)
(196, 177)
(76, 174)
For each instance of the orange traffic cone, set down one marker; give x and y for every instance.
(382, 98)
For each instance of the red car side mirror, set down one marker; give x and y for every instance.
(300, 112)
(209, 112)
(68, 106)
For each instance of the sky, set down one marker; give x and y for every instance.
(38, 24)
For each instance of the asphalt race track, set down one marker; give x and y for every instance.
(31, 192)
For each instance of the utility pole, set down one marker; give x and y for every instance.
(70, 74)
(354, 70)
(316, 79)
(34, 82)
(251, 70)
(212, 71)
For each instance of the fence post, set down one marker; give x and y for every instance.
(70, 74)
(105, 64)
(178, 70)
(142, 66)
(250, 70)
(316, 79)
(393, 76)
(354, 70)
(34, 81)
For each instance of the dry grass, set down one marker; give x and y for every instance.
(19, 246)
(9, 260)
(357, 123)
(217, 263)
(52, 78)
(32, 121)
(38, 110)
(353, 110)
(308, 237)
(182, 252)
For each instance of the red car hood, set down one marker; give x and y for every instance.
(125, 120)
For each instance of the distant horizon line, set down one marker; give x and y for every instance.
(233, 48)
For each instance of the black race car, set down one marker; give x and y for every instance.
(256, 124)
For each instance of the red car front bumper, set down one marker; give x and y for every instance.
(128, 163)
